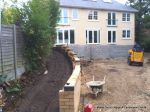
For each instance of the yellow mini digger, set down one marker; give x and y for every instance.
(136, 55)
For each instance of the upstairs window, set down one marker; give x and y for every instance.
(126, 17)
(75, 15)
(93, 15)
(64, 19)
(111, 19)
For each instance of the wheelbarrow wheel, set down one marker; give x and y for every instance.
(95, 91)
(101, 89)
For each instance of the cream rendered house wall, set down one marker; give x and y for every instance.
(83, 23)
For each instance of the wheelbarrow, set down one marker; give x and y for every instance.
(96, 87)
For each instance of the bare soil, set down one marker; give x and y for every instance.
(41, 91)
(127, 88)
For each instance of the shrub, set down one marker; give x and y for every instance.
(39, 22)
(147, 44)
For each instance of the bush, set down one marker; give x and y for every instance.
(147, 45)
(39, 22)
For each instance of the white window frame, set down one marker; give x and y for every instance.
(126, 18)
(111, 13)
(87, 36)
(126, 34)
(92, 14)
(112, 37)
(76, 10)
(63, 36)
(62, 16)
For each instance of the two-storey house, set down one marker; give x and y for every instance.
(96, 23)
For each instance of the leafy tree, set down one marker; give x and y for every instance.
(10, 15)
(146, 22)
(142, 21)
(11, 12)
(39, 22)
(143, 7)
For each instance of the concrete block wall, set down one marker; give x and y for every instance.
(101, 51)
(69, 96)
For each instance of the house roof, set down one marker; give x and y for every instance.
(97, 4)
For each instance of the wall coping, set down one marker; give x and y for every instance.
(69, 86)
(69, 96)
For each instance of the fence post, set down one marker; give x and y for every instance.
(1, 56)
(15, 52)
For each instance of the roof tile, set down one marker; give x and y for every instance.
(99, 4)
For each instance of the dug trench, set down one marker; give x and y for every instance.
(42, 95)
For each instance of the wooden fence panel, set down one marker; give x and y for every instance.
(11, 52)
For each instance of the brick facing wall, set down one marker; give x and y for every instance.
(69, 99)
